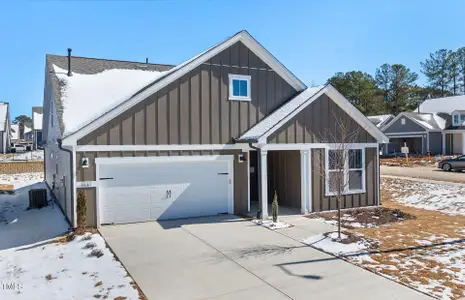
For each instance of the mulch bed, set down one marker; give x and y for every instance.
(367, 217)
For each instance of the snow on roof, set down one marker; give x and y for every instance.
(14, 131)
(27, 129)
(3, 115)
(37, 119)
(379, 120)
(444, 105)
(86, 96)
(427, 120)
(266, 124)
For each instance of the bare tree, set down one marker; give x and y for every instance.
(343, 167)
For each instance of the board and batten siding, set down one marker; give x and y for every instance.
(435, 142)
(195, 109)
(284, 177)
(409, 126)
(320, 202)
(89, 174)
(314, 123)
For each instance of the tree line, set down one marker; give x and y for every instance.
(393, 88)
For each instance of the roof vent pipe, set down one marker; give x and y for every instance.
(69, 62)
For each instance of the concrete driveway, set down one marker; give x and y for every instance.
(226, 257)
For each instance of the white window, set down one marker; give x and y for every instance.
(239, 87)
(345, 170)
(455, 119)
(402, 121)
(458, 118)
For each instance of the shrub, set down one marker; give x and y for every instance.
(81, 211)
(275, 207)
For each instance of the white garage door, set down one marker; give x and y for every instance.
(143, 189)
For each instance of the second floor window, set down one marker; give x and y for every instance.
(239, 87)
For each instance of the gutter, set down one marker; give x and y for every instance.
(60, 146)
(259, 169)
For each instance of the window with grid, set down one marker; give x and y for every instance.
(345, 169)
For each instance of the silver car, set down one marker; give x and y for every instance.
(455, 163)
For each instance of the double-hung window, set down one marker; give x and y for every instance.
(345, 171)
(239, 87)
(458, 118)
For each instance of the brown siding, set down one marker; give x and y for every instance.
(88, 174)
(195, 109)
(284, 177)
(320, 202)
(91, 216)
(315, 123)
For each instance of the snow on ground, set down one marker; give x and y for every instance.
(331, 244)
(271, 225)
(446, 198)
(38, 266)
(23, 156)
(20, 180)
(100, 92)
(65, 271)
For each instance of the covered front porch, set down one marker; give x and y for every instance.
(453, 142)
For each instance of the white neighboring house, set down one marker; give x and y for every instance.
(4, 127)
(14, 133)
(37, 114)
(380, 120)
(28, 134)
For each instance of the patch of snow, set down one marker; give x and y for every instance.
(444, 105)
(3, 115)
(271, 225)
(87, 96)
(379, 120)
(440, 121)
(71, 272)
(332, 245)
(20, 180)
(37, 118)
(445, 198)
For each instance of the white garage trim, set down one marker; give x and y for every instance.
(111, 148)
(162, 159)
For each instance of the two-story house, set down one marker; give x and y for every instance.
(216, 134)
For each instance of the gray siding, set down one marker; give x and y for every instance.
(320, 202)
(435, 143)
(88, 174)
(195, 109)
(316, 123)
(409, 126)
(284, 177)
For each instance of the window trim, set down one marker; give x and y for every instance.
(247, 78)
(346, 172)
(459, 116)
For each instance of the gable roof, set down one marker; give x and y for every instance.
(37, 113)
(14, 131)
(260, 132)
(442, 105)
(178, 71)
(380, 120)
(3, 116)
(429, 121)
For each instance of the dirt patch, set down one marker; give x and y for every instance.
(348, 237)
(365, 217)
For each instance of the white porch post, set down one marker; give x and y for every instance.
(264, 182)
(463, 142)
(443, 143)
(304, 180)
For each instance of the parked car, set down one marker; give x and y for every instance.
(18, 148)
(455, 163)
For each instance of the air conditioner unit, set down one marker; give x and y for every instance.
(37, 198)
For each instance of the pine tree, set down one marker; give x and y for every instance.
(437, 69)
(81, 208)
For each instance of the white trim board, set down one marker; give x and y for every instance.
(158, 159)
(404, 133)
(276, 147)
(195, 147)
(183, 69)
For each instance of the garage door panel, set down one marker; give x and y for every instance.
(160, 191)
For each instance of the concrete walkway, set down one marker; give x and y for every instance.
(226, 257)
(423, 172)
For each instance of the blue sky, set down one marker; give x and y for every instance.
(314, 39)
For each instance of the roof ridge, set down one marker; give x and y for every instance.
(117, 60)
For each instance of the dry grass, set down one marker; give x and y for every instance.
(407, 249)
(412, 161)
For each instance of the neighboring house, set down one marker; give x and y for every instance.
(28, 134)
(228, 127)
(37, 113)
(14, 135)
(421, 132)
(380, 120)
(5, 132)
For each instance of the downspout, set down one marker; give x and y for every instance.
(60, 141)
